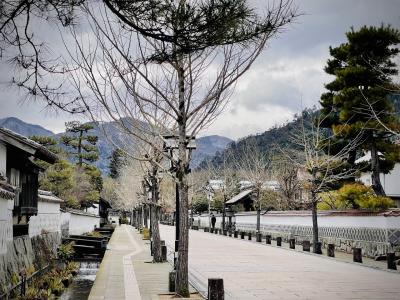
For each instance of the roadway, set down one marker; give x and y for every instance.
(253, 271)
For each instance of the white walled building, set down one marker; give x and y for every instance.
(390, 182)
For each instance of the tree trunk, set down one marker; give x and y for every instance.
(314, 221)
(182, 281)
(223, 216)
(80, 160)
(375, 171)
(351, 161)
(155, 229)
(145, 216)
(258, 211)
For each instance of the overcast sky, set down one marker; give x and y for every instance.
(287, 77)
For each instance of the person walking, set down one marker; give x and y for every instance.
(213, 220)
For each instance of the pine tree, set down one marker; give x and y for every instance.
(363, 67)
(117, 160)
(82, 146)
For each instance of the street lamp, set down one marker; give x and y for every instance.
(171, 147)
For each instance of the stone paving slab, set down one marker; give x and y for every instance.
(127, 271)
(114, 279)
(254, 271)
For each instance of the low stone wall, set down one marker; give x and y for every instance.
(26, 253)
(375, 233)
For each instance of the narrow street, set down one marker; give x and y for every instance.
(255, 271)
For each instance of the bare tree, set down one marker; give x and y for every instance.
(392, 128)
(227, 173)
(182, 60)
(323, 169)
(287, 175)
(254, 165)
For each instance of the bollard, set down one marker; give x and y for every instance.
(220, 232)
(268, 239)
(175, 262)
(292, 243)
(331, 250)
(306, 246)
(171, 282)
(164, 253)
(216, 231)
(391, 261)
(318, 248)
(357, 255)
(151, 248)
(242, 235)
(215, 289)
(249, 236)
(235, 234)
(176, 245)
(230, 233)
(258, 237)
(279, 241)
(225, 232)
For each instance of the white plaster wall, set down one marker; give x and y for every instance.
(6, 233)
(390, 182)
(79, 223)
(3, 159)
(45, 208)
(48, 219)
(323, 221)
(93, 210)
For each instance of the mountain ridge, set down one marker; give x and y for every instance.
(207, 146)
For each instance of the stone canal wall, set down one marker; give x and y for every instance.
(375, 233)
(25, 253)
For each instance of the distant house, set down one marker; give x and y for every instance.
(244, 198)
(390, 182)
(19, 180)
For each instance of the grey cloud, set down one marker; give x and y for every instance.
(288, 75)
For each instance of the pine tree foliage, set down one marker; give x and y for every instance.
(81, 145)
(363, 67)
(117, 160)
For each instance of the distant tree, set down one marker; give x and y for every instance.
(199, 204)
(117, 160)
(47, 141)
(363, 67)
(323, 170)
(255, 166)
(286, 173)
(58, 178)
(81, 145)
(355, 195)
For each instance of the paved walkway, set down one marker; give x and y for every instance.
(252, 271)
(127, 271)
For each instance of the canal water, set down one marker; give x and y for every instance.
(82, 283)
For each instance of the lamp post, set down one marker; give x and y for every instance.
(171, 147)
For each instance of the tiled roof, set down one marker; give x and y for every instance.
(40, 152)
(46, 196)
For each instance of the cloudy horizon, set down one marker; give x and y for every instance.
(287, 77)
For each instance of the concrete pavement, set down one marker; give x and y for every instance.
(252, 271)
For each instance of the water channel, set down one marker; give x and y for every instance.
(82, 283)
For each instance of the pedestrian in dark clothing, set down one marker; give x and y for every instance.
(213, 220)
